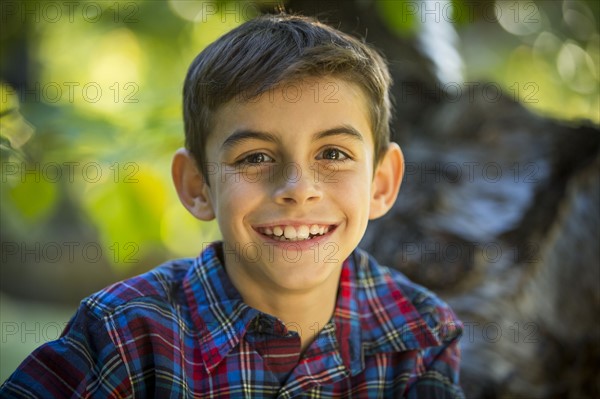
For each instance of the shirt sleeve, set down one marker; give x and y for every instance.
(441, 376)
(83, 362)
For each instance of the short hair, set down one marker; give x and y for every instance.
(272, 49)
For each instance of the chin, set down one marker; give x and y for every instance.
(305, 277)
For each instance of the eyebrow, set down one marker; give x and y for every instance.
(343, 130)
(242, 135)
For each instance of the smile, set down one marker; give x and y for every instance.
(294, 233)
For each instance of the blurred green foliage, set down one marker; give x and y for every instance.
(98, 115)
(544, 53)
(103, 96)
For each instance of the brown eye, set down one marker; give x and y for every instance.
(258, 157)
(333, 154)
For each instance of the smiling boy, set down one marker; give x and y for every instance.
(287, 146)
(292, 166)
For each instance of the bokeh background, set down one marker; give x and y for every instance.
(90, 115)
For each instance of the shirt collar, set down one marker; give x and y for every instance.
(372, 314)
(218, 312)
(375, 315)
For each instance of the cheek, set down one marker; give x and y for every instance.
(352, 192)
(236, 194)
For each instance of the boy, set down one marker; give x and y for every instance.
(287, 146)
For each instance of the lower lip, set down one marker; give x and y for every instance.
(301, 245)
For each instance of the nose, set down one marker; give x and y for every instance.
(296, 185)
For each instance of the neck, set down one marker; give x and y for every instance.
(306, 311)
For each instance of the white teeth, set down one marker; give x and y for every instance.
(303, 232)
(314, 229)
(290, 232)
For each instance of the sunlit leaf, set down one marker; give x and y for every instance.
(127, 208)
(32, 194)
(400, 16)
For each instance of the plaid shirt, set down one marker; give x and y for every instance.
(183, 331)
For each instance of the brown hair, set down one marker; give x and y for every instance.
(271, 49)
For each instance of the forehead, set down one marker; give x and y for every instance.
(296, 109)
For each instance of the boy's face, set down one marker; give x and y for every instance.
(297, 162)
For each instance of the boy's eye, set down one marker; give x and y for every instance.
(333, 154)
(258, 157)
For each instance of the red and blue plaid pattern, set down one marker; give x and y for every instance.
(183, 331)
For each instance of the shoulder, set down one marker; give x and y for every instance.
(415, 303)
(161, 285)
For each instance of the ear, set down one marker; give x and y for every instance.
(386, 182)
(192, 189)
